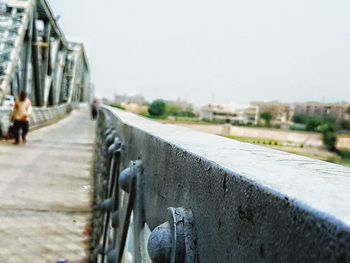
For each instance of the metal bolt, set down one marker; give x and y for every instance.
(160, 244)
(115, 219)
(107, 205)
(127, 176)
(125, 179)
(115, 146)
(110, 138)
(174, 240)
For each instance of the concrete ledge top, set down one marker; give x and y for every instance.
(317, 186)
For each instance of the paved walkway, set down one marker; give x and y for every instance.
(45, 193)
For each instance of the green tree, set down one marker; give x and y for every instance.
(300, 118)
(314, 122)
(329, 135)
(267, 117)
(157, 108)
(329, 140)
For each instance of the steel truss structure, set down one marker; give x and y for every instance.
(36, 57)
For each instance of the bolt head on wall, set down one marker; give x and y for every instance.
(160, 244)
(175, 240)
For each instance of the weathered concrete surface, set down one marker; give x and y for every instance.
(45, 192)
(250, 203)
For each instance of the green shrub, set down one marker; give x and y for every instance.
(329, 139)
(345, 154)
(157, 108)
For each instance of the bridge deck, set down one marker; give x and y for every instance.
(45, 192)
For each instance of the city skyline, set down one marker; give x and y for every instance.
(229, 102)
(222, 51)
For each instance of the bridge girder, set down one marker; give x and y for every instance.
(36, 57)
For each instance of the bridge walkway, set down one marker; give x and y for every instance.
(45, 188)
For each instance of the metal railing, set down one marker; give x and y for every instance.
(39, 117)
(211, 199)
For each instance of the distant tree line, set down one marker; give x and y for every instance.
(159, 108)
(324, 124)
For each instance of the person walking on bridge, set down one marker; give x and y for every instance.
(20, 116)
(94, 108)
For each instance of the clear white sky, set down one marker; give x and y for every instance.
(214, 50)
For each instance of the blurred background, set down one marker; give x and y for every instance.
(277, 72)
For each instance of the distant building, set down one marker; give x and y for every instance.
(282, 113)
(125, 99)
(249, 115)
(217, 112)
(338, 111)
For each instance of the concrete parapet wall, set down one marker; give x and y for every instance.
(249, 203)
